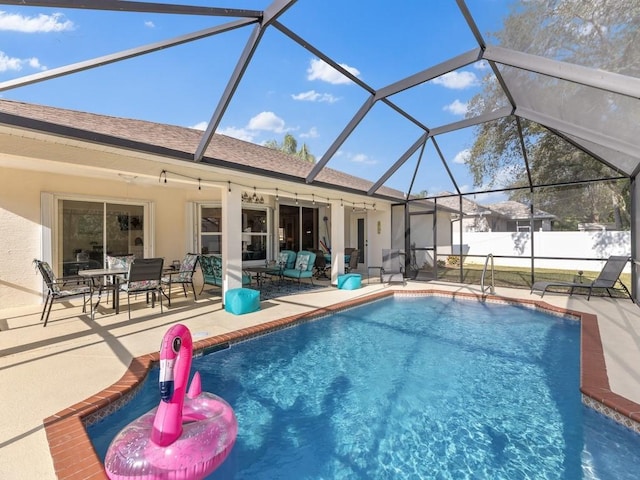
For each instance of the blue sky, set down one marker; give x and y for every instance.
(286, 89)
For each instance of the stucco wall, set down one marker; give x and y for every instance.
(171, 236)
(20, 231)
(19, 238)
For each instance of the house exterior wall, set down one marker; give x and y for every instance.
(172, 234)
(20, 223)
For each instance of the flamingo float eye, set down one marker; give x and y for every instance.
(177, 342)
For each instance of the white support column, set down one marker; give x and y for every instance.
(231, 240)
(337, 241)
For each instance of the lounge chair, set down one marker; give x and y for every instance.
(286, 260)
(392, 269)
(607, 279)
(303, 268)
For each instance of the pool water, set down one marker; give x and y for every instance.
(409, 388)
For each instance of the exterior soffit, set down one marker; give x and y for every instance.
(35, 151)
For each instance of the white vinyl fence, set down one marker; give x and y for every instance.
(600, 244)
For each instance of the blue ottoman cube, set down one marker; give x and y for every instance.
(241, 300)
(349, 281)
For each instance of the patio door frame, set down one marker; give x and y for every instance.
(50, 212)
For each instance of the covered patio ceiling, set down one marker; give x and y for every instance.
(592, 105)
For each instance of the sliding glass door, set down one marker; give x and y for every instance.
(87, 230)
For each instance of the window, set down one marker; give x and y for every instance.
(254, 234)
(255, 231)
(298, 229)
(210, 229)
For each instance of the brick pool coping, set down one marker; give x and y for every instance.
(74, 457)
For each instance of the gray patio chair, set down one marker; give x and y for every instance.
(392, 269)
(145, 276)
(354, 256)
(115, 261)
(607, 279)
(61, 288)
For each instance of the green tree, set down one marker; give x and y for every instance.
(290, 145)
(598, 34)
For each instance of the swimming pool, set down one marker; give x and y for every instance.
(409, 388)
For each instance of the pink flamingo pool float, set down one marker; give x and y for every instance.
(184, 438)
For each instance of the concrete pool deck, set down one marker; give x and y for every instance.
(45, 371)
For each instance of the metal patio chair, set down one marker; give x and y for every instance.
(354, 256)
(145, 276)
(61, 288)
(183, 276)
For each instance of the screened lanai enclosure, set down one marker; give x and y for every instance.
(510, 127)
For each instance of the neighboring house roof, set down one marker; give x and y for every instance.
(509, 209)
(178, 142)
(469, 208)
(518, 211)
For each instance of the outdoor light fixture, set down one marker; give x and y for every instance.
(252, 198)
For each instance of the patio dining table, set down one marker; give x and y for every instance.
(97, 276)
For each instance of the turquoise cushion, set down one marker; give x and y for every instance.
(241, 300)
(302, 261)
(349, 281)
(293, 273)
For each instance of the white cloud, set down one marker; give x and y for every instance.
(15, 64)
(457, 80)
(39, 24)
(9, 63)
(319, 70)
(149, 24)
(481, 65)
(456, 107)
(268, 121)
(313, 96)
(462, 156)
(312, 133)
(239, 133)
(200, 126)
(361, 158)
(264, 121)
